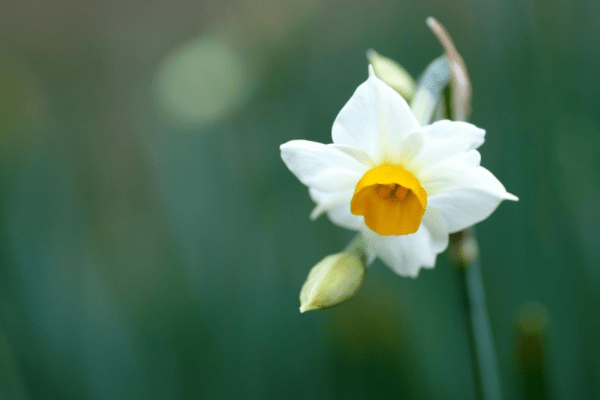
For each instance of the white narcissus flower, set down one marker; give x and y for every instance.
(403, 186)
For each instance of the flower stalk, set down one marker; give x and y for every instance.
(465, 255)
(463, 244)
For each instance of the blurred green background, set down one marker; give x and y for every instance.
(153, 244)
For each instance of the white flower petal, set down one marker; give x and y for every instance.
(375, 119)
(460, 170)
(445, 139)
(407, 254)
(464, 207)
(337, 207)
(328, 168)
(409, 147)
(356, 154)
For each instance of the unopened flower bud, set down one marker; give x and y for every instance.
(392, 74)
(335, 279)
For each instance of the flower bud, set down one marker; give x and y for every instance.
(390, 72)
(335, 279)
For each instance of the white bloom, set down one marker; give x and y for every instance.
(403, 186)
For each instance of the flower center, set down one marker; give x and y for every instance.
(391, 199)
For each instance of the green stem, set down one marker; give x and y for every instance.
(357, 246)
(480, 334)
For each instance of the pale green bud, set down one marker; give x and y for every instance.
(335, 279)
(392, 73)
(430, 89)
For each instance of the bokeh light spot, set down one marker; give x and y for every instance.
(203, 81)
